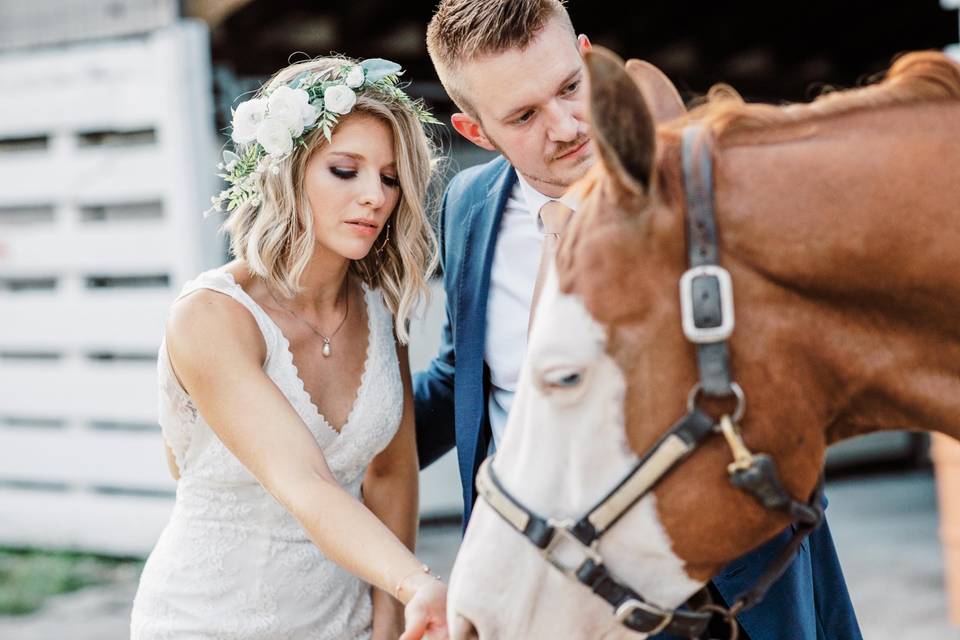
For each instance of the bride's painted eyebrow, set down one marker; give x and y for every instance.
(521, 110)
(348, 154)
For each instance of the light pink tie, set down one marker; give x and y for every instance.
(554, 216)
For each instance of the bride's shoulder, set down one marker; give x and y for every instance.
(208, 316)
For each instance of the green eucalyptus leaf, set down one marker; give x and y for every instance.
(377, 69)
(301, 78)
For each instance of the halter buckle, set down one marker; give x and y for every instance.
(561, 534)
(706, 304)
(628, 607)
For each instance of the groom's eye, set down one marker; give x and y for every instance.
(524, 118)
(343, 174)
(572, 87)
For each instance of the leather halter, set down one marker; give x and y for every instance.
(707, 308)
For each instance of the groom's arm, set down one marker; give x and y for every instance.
(433, 387)
(433, 399)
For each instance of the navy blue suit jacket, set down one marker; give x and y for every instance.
(810, 602)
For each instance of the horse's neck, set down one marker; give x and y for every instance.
(857, 221)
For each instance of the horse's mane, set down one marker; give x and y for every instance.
(915, 77)
(924, 76)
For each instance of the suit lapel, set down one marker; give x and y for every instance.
(482, 227)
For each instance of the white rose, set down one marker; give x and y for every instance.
(274, 136)
(246, 119)
(292, 107)
(354, 77)
(339, 99)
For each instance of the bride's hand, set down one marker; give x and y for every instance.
(426, 613)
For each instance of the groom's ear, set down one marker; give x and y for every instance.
(471, 130)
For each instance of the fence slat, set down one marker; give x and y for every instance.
(110, 524)
(81, 390)
(143, 246)
(125, 320)
(85, 458)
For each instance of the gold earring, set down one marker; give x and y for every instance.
(386, 239)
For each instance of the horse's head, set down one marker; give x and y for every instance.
(609, 368)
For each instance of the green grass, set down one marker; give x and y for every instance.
(29, 576)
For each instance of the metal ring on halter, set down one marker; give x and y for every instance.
(736, 391)
(728, 616)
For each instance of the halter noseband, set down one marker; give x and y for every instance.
(706, 298)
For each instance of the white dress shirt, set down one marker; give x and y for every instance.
(516, 260)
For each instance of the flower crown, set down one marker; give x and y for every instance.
(266, 130)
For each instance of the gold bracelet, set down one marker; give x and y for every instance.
(396, 591)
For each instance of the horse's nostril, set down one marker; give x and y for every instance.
(463, 629)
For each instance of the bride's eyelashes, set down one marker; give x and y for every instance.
(343, 174)
(349, 174)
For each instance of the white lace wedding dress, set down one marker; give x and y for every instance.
(232, 563)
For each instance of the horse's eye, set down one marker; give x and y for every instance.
(562, 379)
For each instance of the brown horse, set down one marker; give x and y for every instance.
(839, 224)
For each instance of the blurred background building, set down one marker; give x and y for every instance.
(112, 115)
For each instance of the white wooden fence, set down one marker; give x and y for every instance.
(106, 157)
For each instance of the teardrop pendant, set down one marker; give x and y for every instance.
(326, 349)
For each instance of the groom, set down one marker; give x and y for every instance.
(514, 68)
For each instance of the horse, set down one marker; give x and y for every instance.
(835, 224)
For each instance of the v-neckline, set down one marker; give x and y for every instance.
(301, 387)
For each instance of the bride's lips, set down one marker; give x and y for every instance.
(364, 227)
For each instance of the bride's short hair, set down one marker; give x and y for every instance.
(274, 234)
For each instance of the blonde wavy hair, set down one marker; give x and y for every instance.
(276, 236)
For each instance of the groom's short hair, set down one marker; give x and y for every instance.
(463, 30)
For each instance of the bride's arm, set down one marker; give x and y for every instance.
(390, 490)
(216, 351)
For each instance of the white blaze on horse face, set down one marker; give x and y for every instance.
(564, 449)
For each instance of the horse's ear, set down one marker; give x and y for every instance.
(662, 97)
(623, 128)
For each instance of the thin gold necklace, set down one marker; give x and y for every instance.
(326, 350)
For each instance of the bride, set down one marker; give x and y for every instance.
(285, 397)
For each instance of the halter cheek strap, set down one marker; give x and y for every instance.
(706, 292)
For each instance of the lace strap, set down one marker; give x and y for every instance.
(381, 320)
(381, 329)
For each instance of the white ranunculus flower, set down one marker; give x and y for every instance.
(246, 119)
(354, 77)
(292, 107)
(339, 99)
(274, 136)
